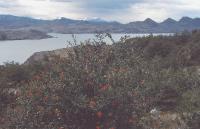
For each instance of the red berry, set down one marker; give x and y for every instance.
(99, 114)
(97, 127)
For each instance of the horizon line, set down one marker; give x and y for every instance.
(93, 18)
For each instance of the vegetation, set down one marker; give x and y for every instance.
(103, 86)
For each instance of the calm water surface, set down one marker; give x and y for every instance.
(20, 50)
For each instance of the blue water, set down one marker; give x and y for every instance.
(20, 50)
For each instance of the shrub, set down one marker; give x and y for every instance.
(102, 86)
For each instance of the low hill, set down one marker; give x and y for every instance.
(182, 48)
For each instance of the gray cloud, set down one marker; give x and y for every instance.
(121, 10)
(7, 3)
(109, 4)
(102, 4)
(61, 0)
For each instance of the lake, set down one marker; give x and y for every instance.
(20, 50)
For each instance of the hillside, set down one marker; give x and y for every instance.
(140, 83)
(65, 25)
(165, 48)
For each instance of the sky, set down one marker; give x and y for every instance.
(112, 10)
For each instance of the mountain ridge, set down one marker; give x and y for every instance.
(66, 25)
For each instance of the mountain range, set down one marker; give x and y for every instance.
(68, 26)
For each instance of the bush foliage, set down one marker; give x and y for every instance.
(103, 86)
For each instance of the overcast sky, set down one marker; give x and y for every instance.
(113, 10)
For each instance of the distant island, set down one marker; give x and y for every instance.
(69, 26)
(22, 34)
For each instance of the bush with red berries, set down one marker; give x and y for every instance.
(99, 86)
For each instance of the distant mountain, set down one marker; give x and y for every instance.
(14, 22)
(185, 20)
(65, 25)
(169, 21)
